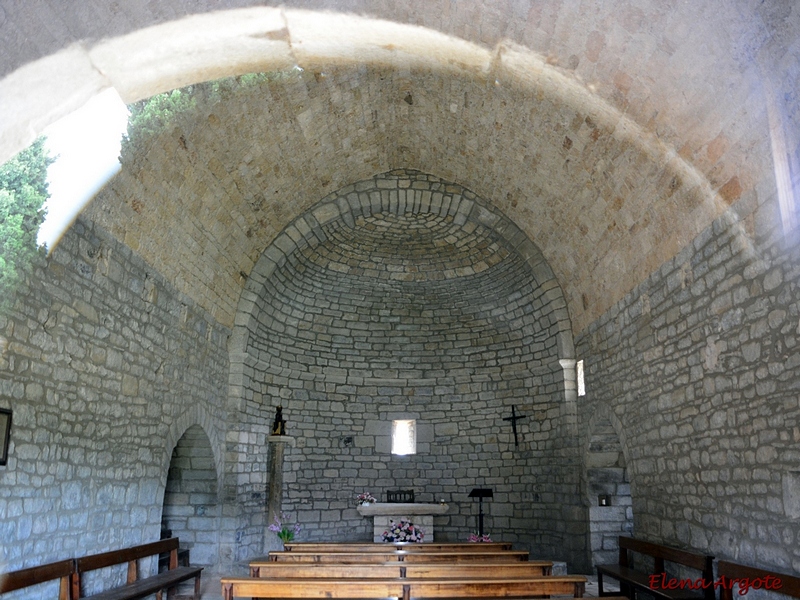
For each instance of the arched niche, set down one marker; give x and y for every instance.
(191, 507)
(608, 489)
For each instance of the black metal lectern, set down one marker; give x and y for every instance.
(480, 494)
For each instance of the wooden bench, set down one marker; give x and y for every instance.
(405, 589)
(397, 555)
(136, 587)
(730, 574)
(63, 570)
(632, 579)
(278, 570)
(384, 546)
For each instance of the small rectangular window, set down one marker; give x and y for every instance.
(581, 381)
(404, 437)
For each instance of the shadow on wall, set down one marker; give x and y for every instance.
(609, 490)
(191, 508)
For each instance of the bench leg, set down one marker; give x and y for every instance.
(196, 588)
(627, 590)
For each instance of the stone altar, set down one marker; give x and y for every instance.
(419, 514)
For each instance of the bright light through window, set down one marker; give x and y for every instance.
(404, 437)
(581, 381)
(87, 144)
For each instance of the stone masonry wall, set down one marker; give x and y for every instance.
(105, 366)
(454, 329)
(700, 366)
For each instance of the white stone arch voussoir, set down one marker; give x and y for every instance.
(211, 46)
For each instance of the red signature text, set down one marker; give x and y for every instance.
(768, 582)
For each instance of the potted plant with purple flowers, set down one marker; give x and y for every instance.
(283, 529)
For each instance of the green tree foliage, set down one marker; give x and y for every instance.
(23, 192)
(153, 115)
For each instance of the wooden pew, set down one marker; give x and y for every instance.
(398, 555)
(632, 577)
(779, 583)
(404, 589)
(136, 587)
(64, 570)
(531, 568)
(282, 570)
(285, 570)
(384, 546)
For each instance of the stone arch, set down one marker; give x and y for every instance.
(607, 472)
(360, 199)
(195, 415)
(466, 271)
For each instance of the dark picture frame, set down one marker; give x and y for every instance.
(5, 434)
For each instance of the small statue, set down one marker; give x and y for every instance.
(279, 426)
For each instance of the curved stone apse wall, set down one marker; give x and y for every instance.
(408, 298)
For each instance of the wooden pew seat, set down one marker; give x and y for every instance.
(403, 589)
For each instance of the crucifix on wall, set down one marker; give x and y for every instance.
(514, 418)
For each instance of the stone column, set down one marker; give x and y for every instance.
(277, 444)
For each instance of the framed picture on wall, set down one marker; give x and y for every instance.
(5, 434)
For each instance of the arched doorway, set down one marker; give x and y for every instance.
(609, 491)
(191, 507)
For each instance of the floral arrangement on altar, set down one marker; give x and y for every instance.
(365, 499)
(475, 537)
(404, 531)
(285, 531)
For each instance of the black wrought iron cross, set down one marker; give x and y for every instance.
(514, 418)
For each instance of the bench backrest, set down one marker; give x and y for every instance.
(388, 547)
(660, 553)
(380, 557)
(280, 570)
(127, 555)
(520, 587)
(63, 570)
(780, 583)
(396, 570)
(478, 569)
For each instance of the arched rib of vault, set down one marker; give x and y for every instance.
(624, 225)
(360, 200)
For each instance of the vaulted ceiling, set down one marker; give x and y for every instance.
(611, 132)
